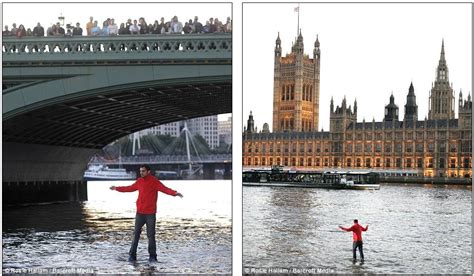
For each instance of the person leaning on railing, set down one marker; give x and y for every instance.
(21, 32)
(38, 30)
(77, 31)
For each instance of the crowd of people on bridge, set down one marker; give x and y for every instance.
(110, 28)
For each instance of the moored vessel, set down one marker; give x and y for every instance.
(277, 177)
(101, 172)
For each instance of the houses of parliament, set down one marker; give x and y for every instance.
(438, 146)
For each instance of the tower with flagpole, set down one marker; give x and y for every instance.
(296, 86)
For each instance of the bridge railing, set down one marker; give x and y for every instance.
(116, 47)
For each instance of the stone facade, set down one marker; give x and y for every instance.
(296, 88)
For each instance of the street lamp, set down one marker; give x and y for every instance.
(61, 19)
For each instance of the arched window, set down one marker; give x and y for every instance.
(292, 92)
(283, 92)
(304, 91)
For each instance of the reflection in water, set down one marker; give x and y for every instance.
(193, 234)
(413, 229)
(302, 225)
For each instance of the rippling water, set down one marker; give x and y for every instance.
(193, 234)
(412, 229)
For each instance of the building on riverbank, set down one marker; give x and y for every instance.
(438, 146)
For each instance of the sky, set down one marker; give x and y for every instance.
(47, 14)
(368, 51)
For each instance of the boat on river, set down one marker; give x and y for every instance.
(341, 180)
(101, 172)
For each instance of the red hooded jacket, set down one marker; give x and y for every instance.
(357, 229)
(148, 188)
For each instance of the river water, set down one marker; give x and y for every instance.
(412, 229)
(193, 233)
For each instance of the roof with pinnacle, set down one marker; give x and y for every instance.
(442, 123)
(288, 135)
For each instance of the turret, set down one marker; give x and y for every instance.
(298, 47)
(342, 116)
(355, 106)
(316, 50)
(465, 112)
(278, 46)
(250, 124)
(442, 95)
(391, 110)
(411, 108)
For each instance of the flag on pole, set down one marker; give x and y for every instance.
(297, 9)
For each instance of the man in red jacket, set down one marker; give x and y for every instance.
(148, 187)
(357, 238)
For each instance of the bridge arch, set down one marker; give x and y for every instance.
(60, 108)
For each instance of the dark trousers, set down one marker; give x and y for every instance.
(150, 221)
(355, 245)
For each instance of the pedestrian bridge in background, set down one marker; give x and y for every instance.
(166, 159)
(65, 98)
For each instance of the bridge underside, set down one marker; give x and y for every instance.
(46, 150)
(95, 121)
(66, 98)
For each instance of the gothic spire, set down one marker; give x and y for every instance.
(411, 108)
(278, 46)
(442, 52)
(442, 72)
(411, 90)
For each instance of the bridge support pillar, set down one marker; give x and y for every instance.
(15, 193)
(42, 173)
(209, 171)
(228, 171)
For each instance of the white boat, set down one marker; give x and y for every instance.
(101, 172)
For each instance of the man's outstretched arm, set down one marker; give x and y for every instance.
(123, 189)
(162, 188)
(345, 229)
(366, 228)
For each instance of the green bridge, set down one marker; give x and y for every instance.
(64, 98)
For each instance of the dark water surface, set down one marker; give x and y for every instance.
(193, 234)
(412, 229)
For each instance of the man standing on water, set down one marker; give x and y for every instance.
(148, 187)
(357, 239)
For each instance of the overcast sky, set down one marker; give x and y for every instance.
(47, 14)
(368, 51)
